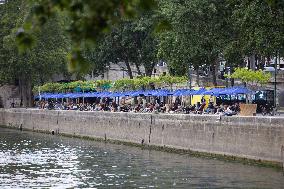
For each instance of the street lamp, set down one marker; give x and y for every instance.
(107, 67)
(275, 81)
(190, 80)
(228, 69)
(189, 76)
(122, 69)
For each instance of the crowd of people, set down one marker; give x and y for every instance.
(143, 105)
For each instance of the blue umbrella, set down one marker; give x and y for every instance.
(117, 94)
(166, 93)
(199, 92)
(134, 93)
(157, 92)
(47, 95)
(180, 92)
(149, 92)
(76, 95)
(236, 90)
(67, 95)
(214, 91)
(87, 95)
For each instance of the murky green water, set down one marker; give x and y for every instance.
(33, 160)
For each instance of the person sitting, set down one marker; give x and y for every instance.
(151, 107)
(210, 108)
(157, 107)
(190, 108)
(201, 108)
(203, 101)
(220, 109)
(237, 108)
(163, 108)
(137, 108)
(81, 107)
(229, 112)
(114, 106)
(179, 109)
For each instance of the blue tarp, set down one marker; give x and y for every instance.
(235, 91)
(214, 91)
(199, 92)
(157, 92)
(183, 92)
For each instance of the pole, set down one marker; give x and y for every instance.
(39, 93)
(275, 80)
(83, 98)
(190, 81)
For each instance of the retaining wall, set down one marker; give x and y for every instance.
(250, 137)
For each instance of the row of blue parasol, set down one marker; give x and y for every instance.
(157, 92)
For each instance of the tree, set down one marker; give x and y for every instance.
(250, 76)
(39, 64)
(198, 35)
(259, 27)
(89, 21)
(131, 42)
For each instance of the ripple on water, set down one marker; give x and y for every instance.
(30, 160)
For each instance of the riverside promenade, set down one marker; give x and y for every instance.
(256, 138)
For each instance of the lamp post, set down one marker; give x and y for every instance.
(190, 81)
(228, 70)
(275, 81)
(122, 69)
(189, 77)
(107, 76)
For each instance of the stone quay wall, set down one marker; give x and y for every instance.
(258, 138)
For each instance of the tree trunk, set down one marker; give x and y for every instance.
(252, 62)
(25, 91)
(29, 93)
(262, 62)
(149, 68)
(232, 82)
(214, 77)
(129, 71)
(138, 69)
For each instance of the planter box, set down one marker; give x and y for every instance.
(248, 109)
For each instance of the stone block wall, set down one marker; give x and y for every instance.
(250, 137)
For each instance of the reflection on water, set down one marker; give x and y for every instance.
(32, 160)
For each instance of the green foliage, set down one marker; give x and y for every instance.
(89, 21)
(124, 84)
(181, 33)
(199, 33)
(250, 76)
(169, 80)
(46, 57)
(131, 42)
(118, 85)
(204, 32)
(259, 26)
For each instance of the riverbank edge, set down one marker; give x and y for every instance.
(223, 157)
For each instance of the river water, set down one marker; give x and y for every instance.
(33, 160)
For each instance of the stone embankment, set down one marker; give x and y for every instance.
(258, 138)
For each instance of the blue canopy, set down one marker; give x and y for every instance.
(235, 91)
(183, 92)
(199, 92)
(214, 91)
(157, 92)
(48, 95)
(150, 93)
(135, 93)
